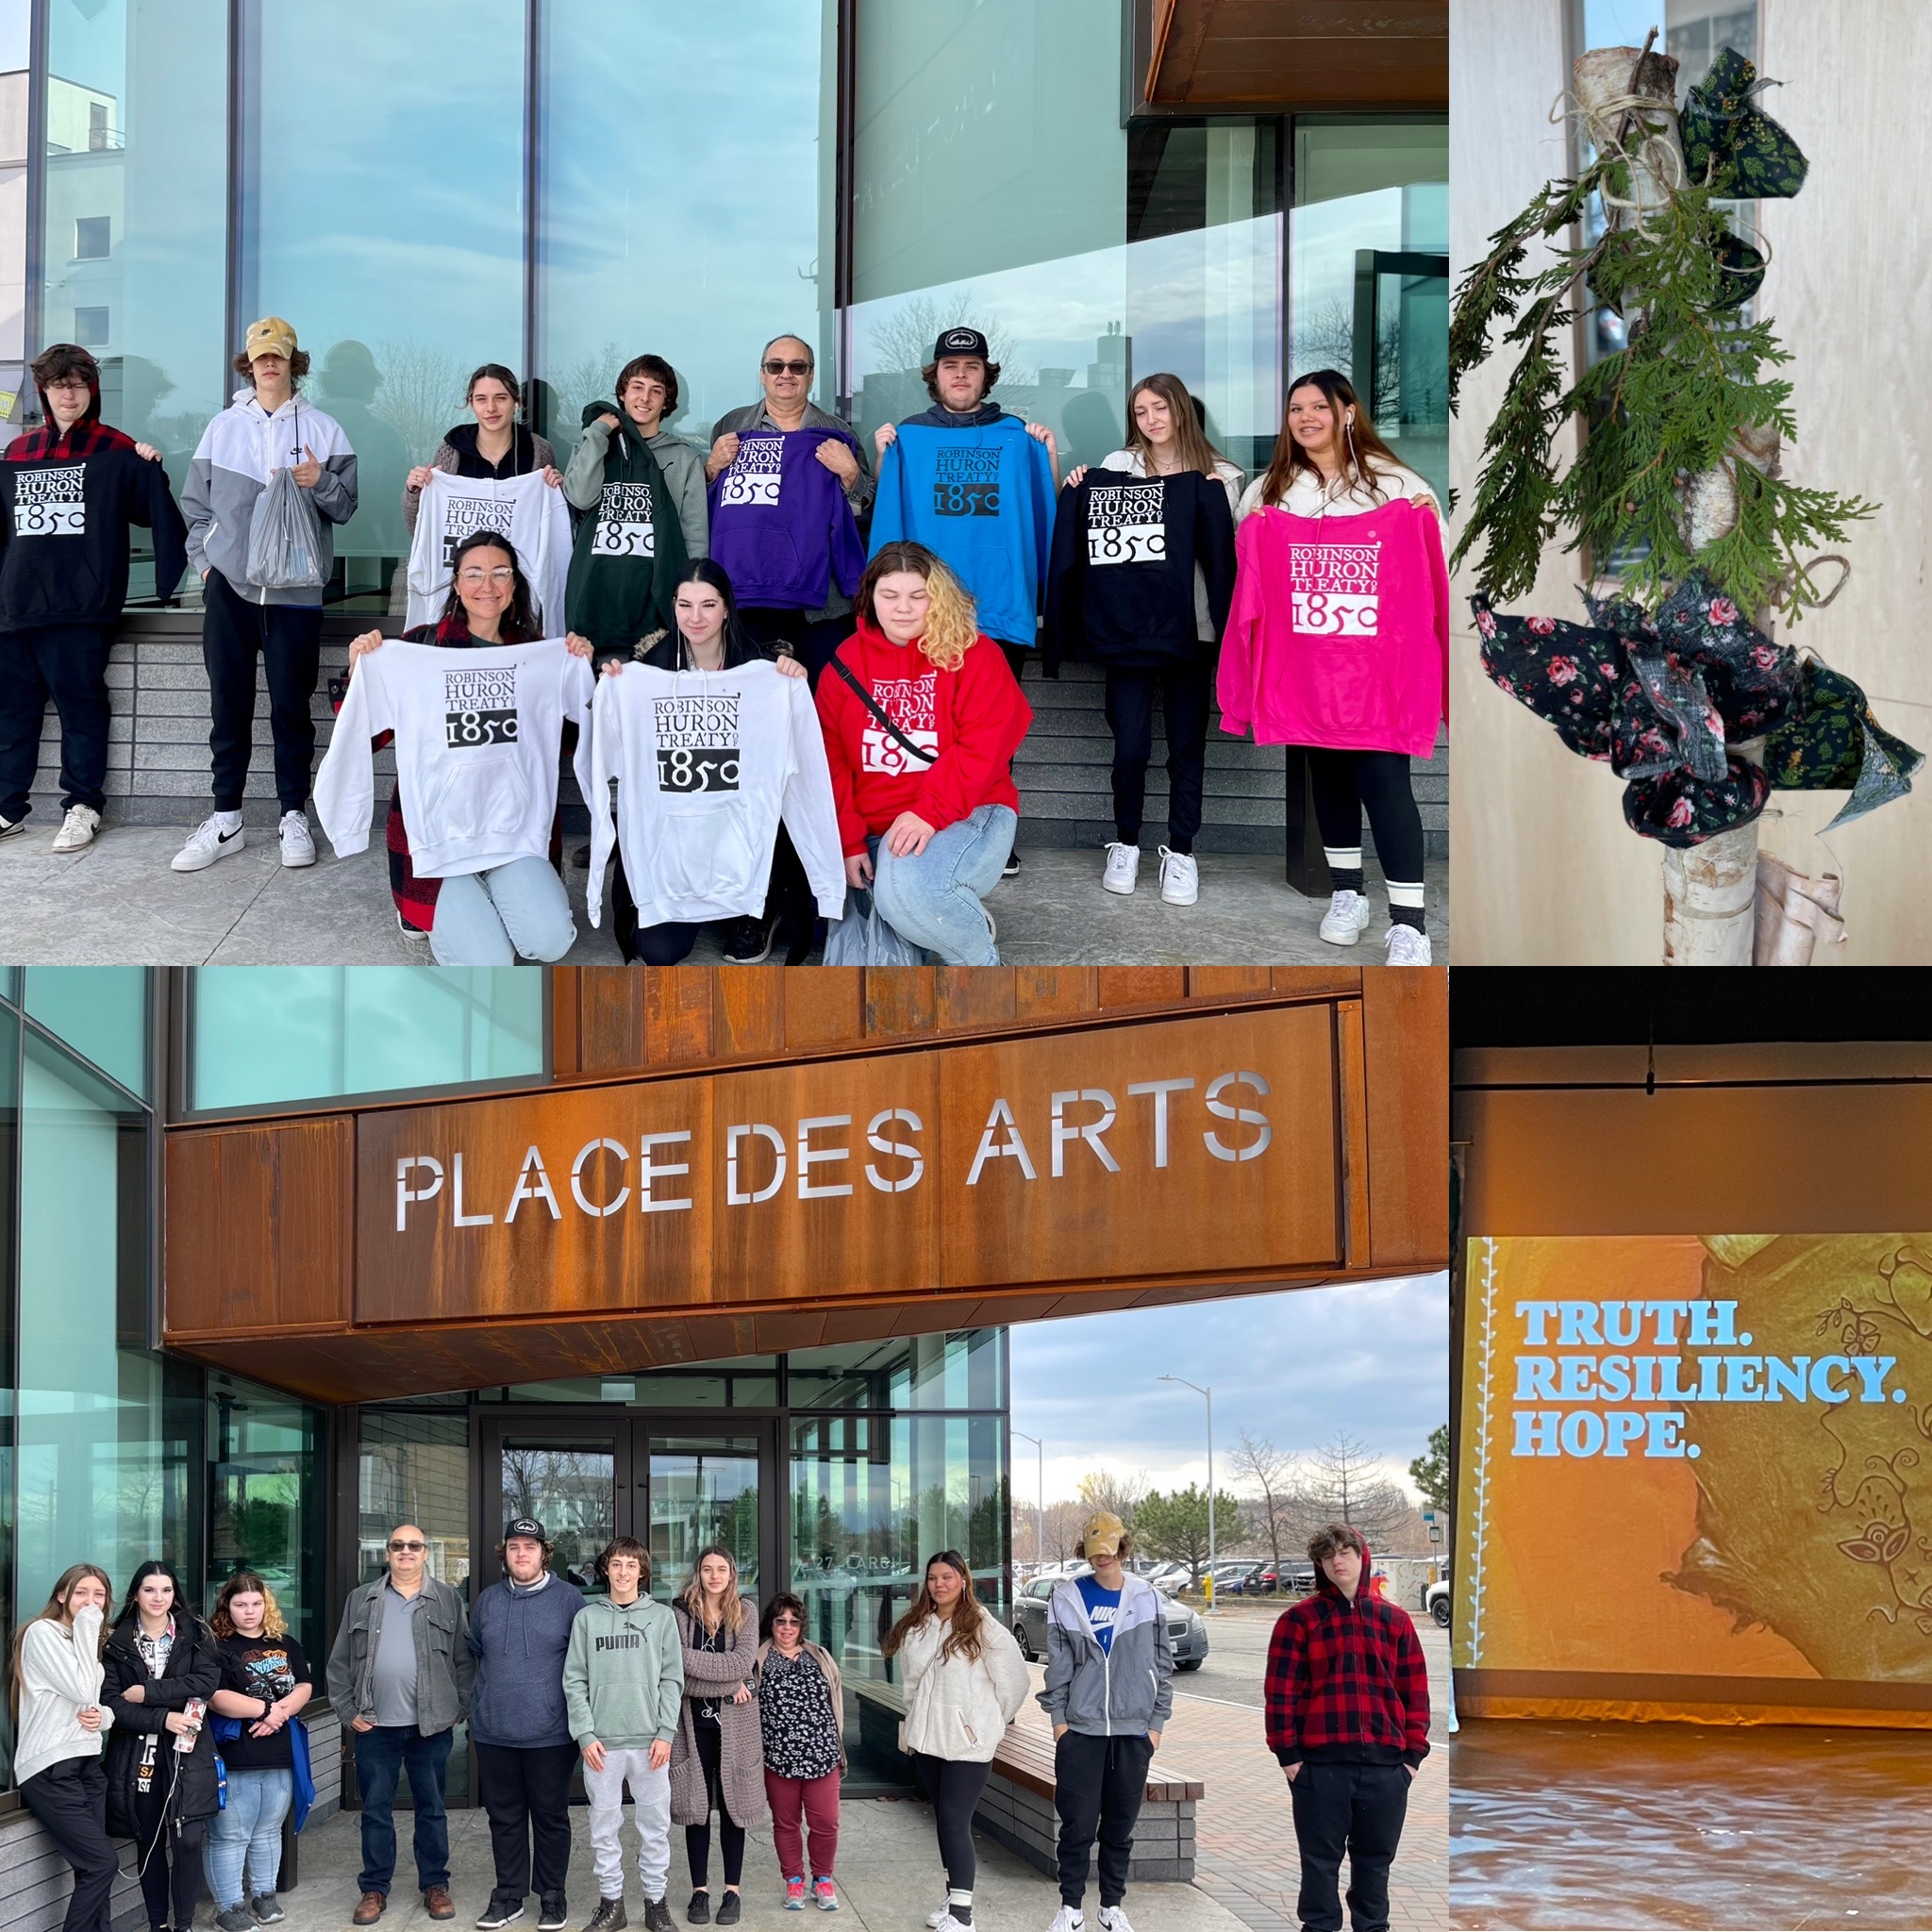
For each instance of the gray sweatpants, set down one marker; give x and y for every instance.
(650, 1793)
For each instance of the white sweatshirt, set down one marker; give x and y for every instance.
(707, 763)
(524, 510)
(59, 1676)
(955, 1708)
(478, 731)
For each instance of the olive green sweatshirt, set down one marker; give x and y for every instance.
(623, 1674)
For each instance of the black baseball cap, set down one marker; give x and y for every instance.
(524, 1525)
(961, 341)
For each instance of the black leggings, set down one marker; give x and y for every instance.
(697, 1838)
(1348, 782)
(955, 1789)
(159, 1846)
(69, 1799)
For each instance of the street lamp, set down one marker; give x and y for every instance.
(1210, 1395)
(1040, 1535)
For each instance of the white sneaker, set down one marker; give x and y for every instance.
(1180, 878)
(1068, 1918)
(1407, 947)
(9, 827)
(1114, 1919)
(1122, 866)
(77, 828)
(935, 1919)
(1347, 914)
(216, 836)
(298, 848)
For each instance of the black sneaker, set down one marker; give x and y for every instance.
(699, 1911)
(235, 1918)
(267, 1908)
(748, 943)
(609, 1917)
(728, 1908)
(1012, 865)
(555, 1914)
(658, 1916)
(499, 1911)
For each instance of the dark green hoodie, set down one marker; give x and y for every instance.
(629, 548)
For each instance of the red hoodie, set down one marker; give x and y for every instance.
(1346, 1680)
(974, 717)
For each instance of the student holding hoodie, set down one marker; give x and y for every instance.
(647, 392)
(494, 446)
(62, 1719)
(69, 490)
(267, 428)
(1109, 1691)
(520, 1725)
(965, 1681)
(623, 1686)
(1346, 1696)
(922, 718)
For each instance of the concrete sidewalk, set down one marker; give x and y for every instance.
(888, 1877)
(118, 904)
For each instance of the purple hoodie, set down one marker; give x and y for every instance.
(780, 525)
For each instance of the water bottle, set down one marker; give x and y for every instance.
(192, 1710)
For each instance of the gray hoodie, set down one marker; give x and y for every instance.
(1125, 1690)
(624, 1673)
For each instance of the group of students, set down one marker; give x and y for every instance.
(1311, 605)
(704, 1705)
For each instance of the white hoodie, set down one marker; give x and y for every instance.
(59, 1676)
(525, 510)
(956, 1708)
(705, 764)
(478, 731)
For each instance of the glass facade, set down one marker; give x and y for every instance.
(266, 1036)
(563, 186)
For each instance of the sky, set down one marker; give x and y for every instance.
(1371, 1357)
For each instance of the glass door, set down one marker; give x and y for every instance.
(704, 1488)
(574, 1478)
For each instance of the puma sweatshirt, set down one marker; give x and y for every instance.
(478, 735)
(707, 763)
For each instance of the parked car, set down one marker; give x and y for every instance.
(1185, 1629)
(1436, 1601)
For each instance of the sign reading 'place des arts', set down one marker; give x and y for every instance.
(1186, 1147)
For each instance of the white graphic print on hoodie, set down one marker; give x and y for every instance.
(478, 731)
(705, 764)
(522, 509)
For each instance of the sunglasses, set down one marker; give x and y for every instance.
(394, 1545)
(784, 1617)
(774, 367)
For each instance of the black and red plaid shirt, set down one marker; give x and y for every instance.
(87, 438)
(1346, 1680)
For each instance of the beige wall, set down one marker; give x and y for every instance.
(1544, 869)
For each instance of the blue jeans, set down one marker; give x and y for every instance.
(489, 918)
(381, 1755)
(931, 898)
(248, 1829)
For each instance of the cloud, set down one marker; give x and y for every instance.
(1371, 1357)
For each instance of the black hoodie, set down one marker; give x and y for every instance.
(66, 504)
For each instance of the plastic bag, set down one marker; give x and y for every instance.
(283, 538)
(863, 937)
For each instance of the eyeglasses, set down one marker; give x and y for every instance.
(394, 1544)
(494, 577)
(774, 367)
(784, 1617)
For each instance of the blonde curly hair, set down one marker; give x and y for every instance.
(952, 624)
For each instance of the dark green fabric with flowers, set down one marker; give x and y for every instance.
(1835, 744)
(1746, 154)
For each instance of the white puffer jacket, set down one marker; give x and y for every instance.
(956, 1708)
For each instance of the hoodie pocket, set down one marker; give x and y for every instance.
(473, 798)
(705, 855)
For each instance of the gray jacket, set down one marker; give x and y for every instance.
(1124, 1690)
(858, 492)
(682, 462)
(444, 1667)
(238, 451)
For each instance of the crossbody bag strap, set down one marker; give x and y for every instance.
(872, 705)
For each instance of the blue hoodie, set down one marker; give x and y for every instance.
(780, 525)
(519, 1634)
(982, 500)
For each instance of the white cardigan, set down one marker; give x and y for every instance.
(956, 1708)
(60, 1675)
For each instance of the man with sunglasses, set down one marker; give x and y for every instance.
(785, 371)
(400, 1675)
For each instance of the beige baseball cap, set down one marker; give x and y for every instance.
(1101, 1533)
(271, 336)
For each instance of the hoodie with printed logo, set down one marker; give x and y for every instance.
(624, 1673)
(1121, 1689)
(630, 544)
(973, 717)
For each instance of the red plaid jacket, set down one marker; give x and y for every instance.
(1346, 1680)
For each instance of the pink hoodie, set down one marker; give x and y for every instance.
(1340, 631)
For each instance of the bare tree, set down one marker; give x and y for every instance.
(1104, 1488)
(1349, 1487)
(1280, 1479)
(904, 339)
(1063, 1521)
(421, 393)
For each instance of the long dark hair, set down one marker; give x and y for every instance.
(1362, 451)
(131, 1604)
(740, 647)
(966, 1638)
(520, 619)
(783, 1601)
